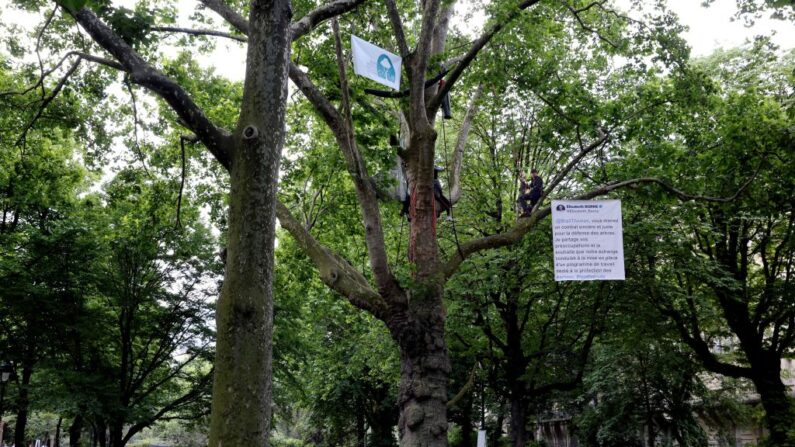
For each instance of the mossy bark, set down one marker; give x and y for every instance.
(241, 410)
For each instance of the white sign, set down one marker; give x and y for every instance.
(481, 438)
(375, 63)
(588, 240)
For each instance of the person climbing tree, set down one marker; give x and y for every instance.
(530, 193)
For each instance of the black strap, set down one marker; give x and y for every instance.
(404, 93)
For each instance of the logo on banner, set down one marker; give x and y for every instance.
(385, 68)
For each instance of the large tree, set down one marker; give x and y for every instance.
(410, 305)
(250, 151)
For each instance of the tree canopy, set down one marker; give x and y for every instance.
(147, 281)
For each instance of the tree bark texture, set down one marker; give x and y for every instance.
(422, 394)
(23, 403)
(467, 428)
(75, 431)
(57, 439)
(241, 409)
(779, 411)
(116, 435)
(519, 435)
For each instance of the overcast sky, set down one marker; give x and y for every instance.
(708, 29)
(711, 28)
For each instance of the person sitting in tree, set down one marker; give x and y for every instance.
(530, 193)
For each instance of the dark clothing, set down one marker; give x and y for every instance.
(527, 200)
(446, 112)
(443, 204)
(405, 211)
(536, 188)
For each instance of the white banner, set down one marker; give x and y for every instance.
(588, 240)
(375, 63)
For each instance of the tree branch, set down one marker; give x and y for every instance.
(698, 345)
(197, 32)
(298, 28)
(310, 21)
(182, 140)
(230, 15)
(464, 389)
(335, 272)
(136, 123)
(419, 64)
(365, 191)
(182, 400)
(460, 145)
(583, 25)
(143, 74)
(523, 226)
(573, 162)
(397, 27)
(47, 100)
(442, 26)
(470, 55)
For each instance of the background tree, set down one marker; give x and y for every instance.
(722, 278)
(42, 250)
(408, 298)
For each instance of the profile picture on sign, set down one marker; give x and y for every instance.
(385, 68)
(560, 208)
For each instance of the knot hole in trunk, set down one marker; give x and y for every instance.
(250, 132)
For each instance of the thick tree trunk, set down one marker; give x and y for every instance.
(382, 420)
(422, 395)
(765, 372)
(779, 411)
(241, 410)
(361, 429)
(117, 434)
(419, 330)
(23, 402)
(75, 431)
(516, 368)
(57, 440)
(100, 434)
(519, 435)
(464, 420)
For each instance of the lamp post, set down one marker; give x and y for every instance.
(5, 374)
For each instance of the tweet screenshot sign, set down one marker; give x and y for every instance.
(588, 240)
